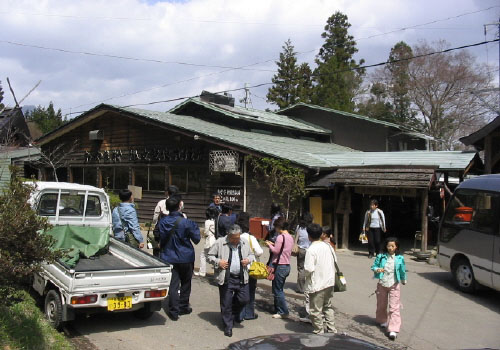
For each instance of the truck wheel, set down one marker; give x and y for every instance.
(144, 313)
(53, 309)
(464, 276)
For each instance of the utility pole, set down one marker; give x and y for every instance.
(246, 100)
(498, 26)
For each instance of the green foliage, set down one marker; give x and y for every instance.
(285, 182)
(292, 83)
(22, 248)
(46, 118)
(114, 200)
(23, 326)
(337, 76)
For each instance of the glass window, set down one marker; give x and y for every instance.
(93, 206)
(77, 174)
(69, 205)
(47, 205)
(121, 178)
(178, 176)
(195, 181)
(141, 177)
(487, 208)
(157, 179)
(107, 177)
(90, 176)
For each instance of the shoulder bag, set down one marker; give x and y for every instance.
(271, 269)
(340, 281)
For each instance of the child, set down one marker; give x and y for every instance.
(389, 267)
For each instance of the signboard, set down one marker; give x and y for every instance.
(230, 194)
(225, 161)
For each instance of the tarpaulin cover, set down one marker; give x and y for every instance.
(79, 240)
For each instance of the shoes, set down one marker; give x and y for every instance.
(392, 335)
(280, 316)
(305, 320)
(198, 273)
(172, 316)
(252, 318)
(370, 256)
(383, 325)
(186, 311)
(228, 333)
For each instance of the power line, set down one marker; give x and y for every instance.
(127, 57)
(316, 75)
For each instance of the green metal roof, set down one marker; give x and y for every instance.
(357, 116)
(298, 151)
(253, 115)
(444, 160)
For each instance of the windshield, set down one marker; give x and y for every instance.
(69, 205)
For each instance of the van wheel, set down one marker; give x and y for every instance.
(464, 276)
(53, 309)
(144, 313)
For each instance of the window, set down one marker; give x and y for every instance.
(195, 182)
(157, 179)
(77, 175)
(141, 177)
(70, 205)
(107, 177)
(179, 178)
(121, 178)
(90, 176)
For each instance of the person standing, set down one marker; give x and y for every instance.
(303, 243)
(275, 214)
(224, 221)
(374, 225)
(389, 268)
(209, 234)
(125, 223)
(231, 257)
(177, 235)
(248, 311)
(216, 202)
(320, 280)
(161, 211)
(280, 260)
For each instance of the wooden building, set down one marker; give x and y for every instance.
(487, 139)
(357, 131)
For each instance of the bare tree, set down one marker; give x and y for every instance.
(56, 157)
(441, 87)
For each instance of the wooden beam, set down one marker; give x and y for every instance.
(335, 217)
(425, 204)
(345, 223)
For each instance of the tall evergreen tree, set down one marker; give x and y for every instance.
(292, 83)
(338, 76)
(1, 96)
(46, 118)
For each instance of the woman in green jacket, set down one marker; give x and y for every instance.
(389, 268)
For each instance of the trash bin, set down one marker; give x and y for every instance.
(258, 227)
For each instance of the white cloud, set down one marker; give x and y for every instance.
(212, 32)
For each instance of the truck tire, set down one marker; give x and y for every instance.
(464, 276)
(144, 313)
(54, 309)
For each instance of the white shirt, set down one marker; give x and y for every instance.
(209, 233)
(160, 208)
(257, 249)
(377, 214)
(388, 279)
(319, 265)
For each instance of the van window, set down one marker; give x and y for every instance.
(471, 209)
(69, 205)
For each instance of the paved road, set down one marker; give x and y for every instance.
(435, 316)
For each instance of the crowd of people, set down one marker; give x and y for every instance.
(231, 249)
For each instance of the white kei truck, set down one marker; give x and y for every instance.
(101, 273)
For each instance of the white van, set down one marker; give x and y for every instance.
(469, 234)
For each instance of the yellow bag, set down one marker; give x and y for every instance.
(258, 270)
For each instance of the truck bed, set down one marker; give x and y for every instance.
(107, 261)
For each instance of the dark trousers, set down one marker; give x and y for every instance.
(301, 273)
(233, 297)
(374, 235)
(181, 280)
(248, 311)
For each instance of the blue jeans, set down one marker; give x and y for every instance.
(280, 275)
(248, 311)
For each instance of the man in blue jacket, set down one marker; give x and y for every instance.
(177, 235)
(125, 224)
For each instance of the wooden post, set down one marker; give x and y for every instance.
(425, 203)
(335, 217)
(345, 224)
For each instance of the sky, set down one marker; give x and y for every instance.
(133, 52)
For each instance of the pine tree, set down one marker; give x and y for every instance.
(46, 118)
(292, 83)
(1, 96)
(337, 76)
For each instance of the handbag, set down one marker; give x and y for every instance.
(363, 238)
(257, 270)
(340, 281)
(271, 269)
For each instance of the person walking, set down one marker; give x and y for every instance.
(275, 214)
(209, 235)
(177, 235)
(389, 268)
(231, 257)
(374, 225)
(159, 212)
(280, 261)
(248, 311)
(303, 243)
(320, 279)
(125, 223)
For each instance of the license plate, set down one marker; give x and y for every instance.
(119, 303)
